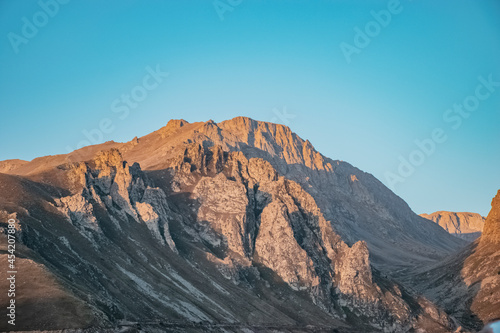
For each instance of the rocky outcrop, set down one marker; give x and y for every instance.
(110, 184)
(467, 226)
(226, 215)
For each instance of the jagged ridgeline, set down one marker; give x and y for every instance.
(241, 225)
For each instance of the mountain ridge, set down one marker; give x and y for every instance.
(244, 204)
(296, 159)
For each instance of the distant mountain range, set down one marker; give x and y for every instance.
(239, 226)
(467, 226)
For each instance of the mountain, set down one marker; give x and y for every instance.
(467, 226)
(359, 206)
(467, 285)
(240, 225)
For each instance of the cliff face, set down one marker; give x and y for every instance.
(109, 184)
(253, 218)
(467, 226)
(237, 222)
(491, 232)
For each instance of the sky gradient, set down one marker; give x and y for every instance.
(280, 61)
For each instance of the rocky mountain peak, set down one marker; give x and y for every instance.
(176, 123)
(465, 225)
(172, 126)
(276, 140)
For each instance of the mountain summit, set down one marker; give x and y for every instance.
(237, 223)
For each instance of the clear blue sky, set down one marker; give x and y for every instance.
(261, 58)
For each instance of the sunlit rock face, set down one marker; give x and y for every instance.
(491, 232)
(467, 226)
(109, 183)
